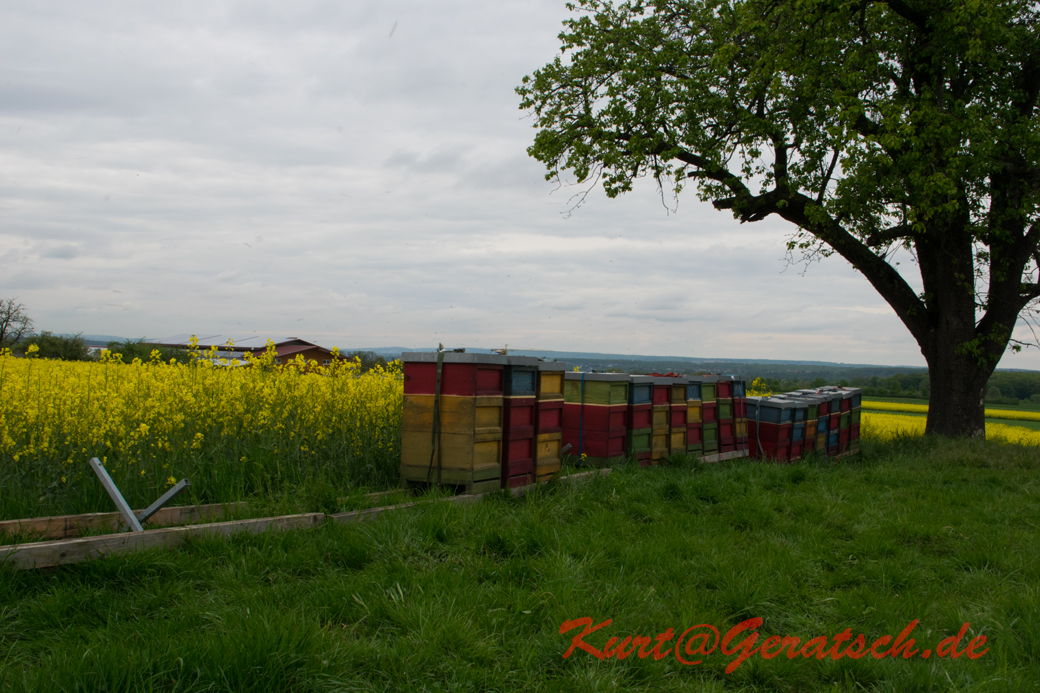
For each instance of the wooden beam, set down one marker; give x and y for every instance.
(43, 554)
(69, 526)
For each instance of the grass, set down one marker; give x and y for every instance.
(465, 598)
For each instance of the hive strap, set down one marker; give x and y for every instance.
(581, 419)
(435, 434)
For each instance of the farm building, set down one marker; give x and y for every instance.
(231, 350)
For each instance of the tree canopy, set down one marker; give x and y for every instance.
(15, 323)
(870, 126)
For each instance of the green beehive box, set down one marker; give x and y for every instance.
(708, 387)
(639, 441)
(725, 410)
(711, 437)
(595, 388)
(855, 417)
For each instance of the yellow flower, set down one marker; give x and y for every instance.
(171, 481)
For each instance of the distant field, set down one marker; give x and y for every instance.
(1032, 425)
(1022, 406)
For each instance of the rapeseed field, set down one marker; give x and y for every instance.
(234, 432)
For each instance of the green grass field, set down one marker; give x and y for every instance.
(471, 598)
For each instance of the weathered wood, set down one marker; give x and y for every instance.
(458, 450)
(62, 552)
(473, 415)
(69, 526)
(451, 476)
(45, 554)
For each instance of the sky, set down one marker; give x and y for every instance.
(355, 174)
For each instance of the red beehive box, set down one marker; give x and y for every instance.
(708, 412)
(520, 380)
(598, 446)
(663, 390)
(477, 375)
(727, 433)
(639, 416)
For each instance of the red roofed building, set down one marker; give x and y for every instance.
(232, 351)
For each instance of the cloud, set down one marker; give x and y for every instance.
(296, 169)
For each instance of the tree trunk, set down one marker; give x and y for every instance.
(957, 382)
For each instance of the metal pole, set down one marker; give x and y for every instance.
(163, 500)
(115, 495)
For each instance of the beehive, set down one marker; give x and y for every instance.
(694, 421)
(639, 419)
(740, 414)
(462, 444)
(594, 411)
(548, 420)
(520, 384)
(677, 418)
(770, 427)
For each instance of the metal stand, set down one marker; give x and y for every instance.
(134, 521)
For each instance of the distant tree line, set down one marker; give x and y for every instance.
(1003, 388)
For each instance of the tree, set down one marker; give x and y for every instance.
(131, 349)
(57, 346)
(366, 359)
(869, 126)
(15, 325)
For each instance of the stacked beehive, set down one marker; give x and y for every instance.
(857, 403)
(833, 422)
(518, 421)
(709, 414)
(548, 420)
(662, 417)
(801, 411)
(452, 434)
(694, 422)
(849, 418)
(639, 419)
(816, 403)
(594, 412)
(677, 416)
(740, 415)
(726, 413)
(770, 427)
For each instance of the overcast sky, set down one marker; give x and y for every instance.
(355, 173)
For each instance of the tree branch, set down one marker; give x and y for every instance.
(888, 235)
(915, 17)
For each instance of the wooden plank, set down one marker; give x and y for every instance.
(53, 553)
(70, 526)
(44, 554)
(457, 414)
(449, 475)
(458, 450)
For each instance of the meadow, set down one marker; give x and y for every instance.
(471, 598)
(264, 432)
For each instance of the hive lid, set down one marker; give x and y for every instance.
(615, 377)
(529, 361)
(453, 357)
(551, 366)
(773, 402)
